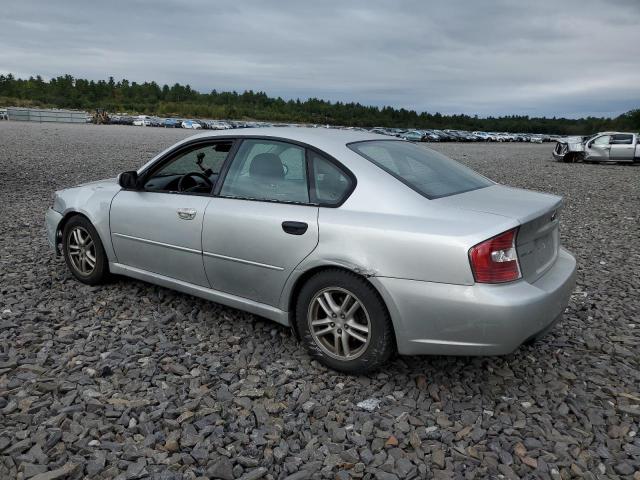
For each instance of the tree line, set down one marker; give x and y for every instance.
(178, 100)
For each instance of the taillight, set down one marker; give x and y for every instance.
(496, 260)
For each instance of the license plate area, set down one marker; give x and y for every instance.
(545, 251)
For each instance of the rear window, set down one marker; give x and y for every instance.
(424, 170)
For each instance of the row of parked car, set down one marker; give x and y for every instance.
(430, 135)
(463, 136)
(151, 121)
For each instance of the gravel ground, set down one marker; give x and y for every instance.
(130, 380)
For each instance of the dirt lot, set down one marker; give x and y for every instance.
(130, 380)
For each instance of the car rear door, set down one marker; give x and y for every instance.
(261, 224)
(622, 147)
(158, 228)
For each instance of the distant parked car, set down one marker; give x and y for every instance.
(290, 224)
(125, 120)
(172, 123)
(455, 135)
(382, 131)
(535, 139)
(504, 137)
(602, 147)
(431, 136)
(192, 124)
(482, 136)
(474, 138)
(412, 136)
(142, 121)
(219, 125)
(444, 136)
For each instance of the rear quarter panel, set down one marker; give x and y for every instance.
(419, 247)
(385, 229)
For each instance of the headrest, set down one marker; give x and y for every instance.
(266, 165)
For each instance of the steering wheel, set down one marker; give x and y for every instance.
(183, 188)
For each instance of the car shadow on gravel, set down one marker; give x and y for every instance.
(167, 305)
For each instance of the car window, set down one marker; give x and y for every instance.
(622, 139)
(268, 170)
(332, 184)
(382, 155)
(205, 160)
(424, 170)
(603, 140)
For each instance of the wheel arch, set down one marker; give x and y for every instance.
(60, 228)
(68, 216)
(301, 279)
(65, 219)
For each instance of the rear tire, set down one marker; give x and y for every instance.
(343, 322)
(83, 251)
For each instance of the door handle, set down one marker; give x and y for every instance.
(295, 228)
(186, 213)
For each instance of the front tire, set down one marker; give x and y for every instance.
(83, 251)
(343, 322)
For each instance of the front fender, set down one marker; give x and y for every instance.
(92, 200)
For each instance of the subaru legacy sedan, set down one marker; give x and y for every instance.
(364, 245)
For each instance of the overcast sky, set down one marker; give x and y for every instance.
(493, 57)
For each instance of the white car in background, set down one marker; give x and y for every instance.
(484, 136)
(142, 121)
(192, 124)
(601, 147)
(220, 126)
(506, 137)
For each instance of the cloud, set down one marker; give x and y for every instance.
(570, 58)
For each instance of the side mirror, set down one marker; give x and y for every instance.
(128, 180)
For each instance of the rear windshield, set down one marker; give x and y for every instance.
(426, 171)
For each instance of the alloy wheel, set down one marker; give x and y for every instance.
(339, 323)
(82, 251)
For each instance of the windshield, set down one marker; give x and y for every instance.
(426, 171)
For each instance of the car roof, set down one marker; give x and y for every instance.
(329, 140)
(322, 138)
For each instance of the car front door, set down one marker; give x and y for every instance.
(622, 147)
(597, 150)
(260, 225)
(158, 227)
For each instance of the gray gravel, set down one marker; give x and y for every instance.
(130, 380)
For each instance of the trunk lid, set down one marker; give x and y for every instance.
(537, 213)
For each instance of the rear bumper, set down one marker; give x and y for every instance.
(52, 220)
(443, 319)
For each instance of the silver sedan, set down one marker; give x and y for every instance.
(363, 244)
